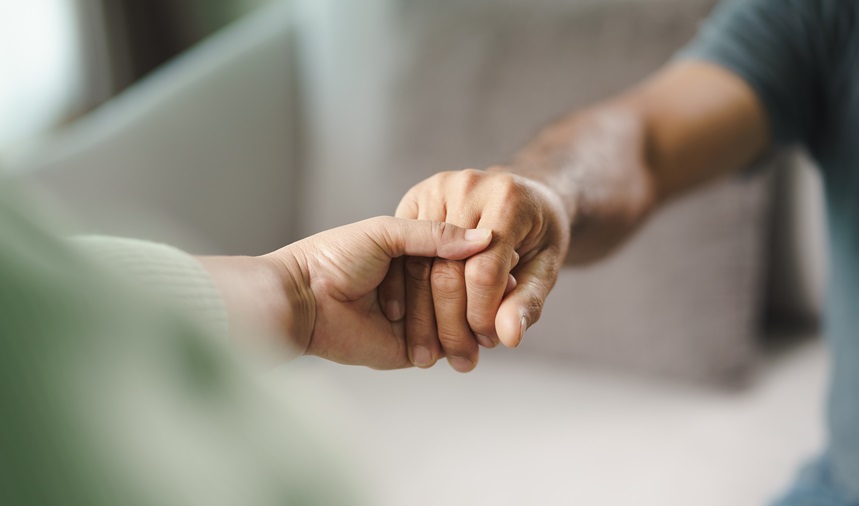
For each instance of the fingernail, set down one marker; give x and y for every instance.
(523, 326)
(461, 364)
(485, 341)
(477, 234)
(421, 356)
(394, 310)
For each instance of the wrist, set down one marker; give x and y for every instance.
(269, 304)
(297, 303)
(597, 162)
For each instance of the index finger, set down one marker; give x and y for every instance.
(487, 273)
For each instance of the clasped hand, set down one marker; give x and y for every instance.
(450, 306)
(472, 264)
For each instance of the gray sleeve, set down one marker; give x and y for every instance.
(786, 50)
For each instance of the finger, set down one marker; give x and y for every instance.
(421, 335)
(522, 307)
(392, 291)
(511, 284)
(398, 237)
(493, 341)
(487, 273)
(450, 301)
(408, 207)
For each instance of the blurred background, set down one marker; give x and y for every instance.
(683, 370)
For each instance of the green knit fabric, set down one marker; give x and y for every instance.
(112, 396)
(165, 272)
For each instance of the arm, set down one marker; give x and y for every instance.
(614, 163)
(578, 190)
(316, 296)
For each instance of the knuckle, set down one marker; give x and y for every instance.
(505, 179)
(443, 232)
(470, 178)
(511, 189)
(481, 313)
(420, 326)
(438, 231)
(438, 181)
(446, 278)
(481, 322)
(486, 271)
(456, 343)
(418, 268)
(471, 173)
(423, 194)
(444, 175)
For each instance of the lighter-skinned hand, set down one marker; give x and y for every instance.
(334, 276)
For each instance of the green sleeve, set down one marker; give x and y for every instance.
(111, 396)
(167, 271)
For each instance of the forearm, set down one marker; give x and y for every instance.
(614, 163)
(594, 161)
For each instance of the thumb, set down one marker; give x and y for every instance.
(398, 237)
